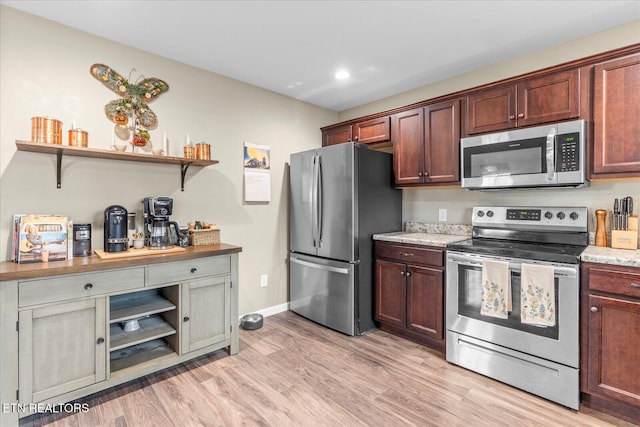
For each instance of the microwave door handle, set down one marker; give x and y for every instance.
(551, 166)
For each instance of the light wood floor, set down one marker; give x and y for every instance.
(292, 372)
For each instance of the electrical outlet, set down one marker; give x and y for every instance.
(442, 214)
(263, 281)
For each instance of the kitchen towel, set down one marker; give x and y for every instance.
(496, 289)
(537, 295)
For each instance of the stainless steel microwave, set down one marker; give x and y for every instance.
(552, 155)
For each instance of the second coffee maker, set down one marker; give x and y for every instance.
(159, 232)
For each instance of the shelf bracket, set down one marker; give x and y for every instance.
(59, 168)
(183, 173)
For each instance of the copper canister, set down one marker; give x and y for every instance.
(189, 152)
(78, 138)
(203, 151)
(46, 130)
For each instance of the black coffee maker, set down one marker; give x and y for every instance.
(115, 229)
(159, 232)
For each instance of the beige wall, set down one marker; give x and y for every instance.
(45, 72)
(423, 204)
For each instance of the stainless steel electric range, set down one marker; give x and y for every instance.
(542, 359)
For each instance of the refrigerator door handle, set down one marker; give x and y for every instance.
(320, 206)
(314, 202)
(320, 266)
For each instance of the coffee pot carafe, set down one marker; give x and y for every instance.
(163, 234)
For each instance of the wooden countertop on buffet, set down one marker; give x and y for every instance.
(12, 271)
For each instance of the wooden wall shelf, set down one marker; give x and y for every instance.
(61, 150)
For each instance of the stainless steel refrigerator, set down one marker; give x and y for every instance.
(340, 196)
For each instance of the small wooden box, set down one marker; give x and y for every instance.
(626, 239)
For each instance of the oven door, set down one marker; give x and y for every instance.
(464, 295)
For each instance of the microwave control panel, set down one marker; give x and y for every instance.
(568, 152)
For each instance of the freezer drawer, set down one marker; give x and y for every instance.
(324, 291)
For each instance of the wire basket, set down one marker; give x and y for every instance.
(204, 237)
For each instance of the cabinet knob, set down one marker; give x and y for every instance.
(521, 115)
(193, 270)
(594, 309)
(425, 173)
(356, 138)
(402, 272)
(408, 273)
(100, 340)
(88, 286)
(185, 319)
(635, 285)
(419, 173)
(512, 117)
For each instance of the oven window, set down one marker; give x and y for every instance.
(507, 158)
(470, 298)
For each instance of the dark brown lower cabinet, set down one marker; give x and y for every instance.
(611, 339)
(409, 292)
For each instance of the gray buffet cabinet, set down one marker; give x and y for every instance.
(61, 323)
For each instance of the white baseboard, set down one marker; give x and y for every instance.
(270, 311)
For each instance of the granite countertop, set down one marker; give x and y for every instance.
(604, 255)
(426, 239)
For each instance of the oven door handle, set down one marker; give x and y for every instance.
(460, 260)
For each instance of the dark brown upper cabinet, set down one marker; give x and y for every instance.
(426, 144)
(371, 131)
(547, 98)
(616, 118)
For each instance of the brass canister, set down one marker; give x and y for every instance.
(78, 138)
(203, 151)
(46, 130)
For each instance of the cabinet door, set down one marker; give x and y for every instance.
(407, 128)
(205, 316)
(425, 301)
(491, 110)
(616, 117)
(374, 130)
(390, 293)
(614, 349)
(442, 142)
(336, 135)
(62, 348)
(548, 98)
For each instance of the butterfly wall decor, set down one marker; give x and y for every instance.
(135, 96)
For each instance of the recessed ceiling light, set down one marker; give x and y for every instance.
(342, 74)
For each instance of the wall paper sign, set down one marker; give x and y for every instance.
(257, 173)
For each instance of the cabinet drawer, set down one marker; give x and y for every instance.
(179, 271)
(78, 286)
(410, 254)
(610, 279)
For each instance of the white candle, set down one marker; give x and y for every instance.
(74, 125)
(165, 144)
(188, 140)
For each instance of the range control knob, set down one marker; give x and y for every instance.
(573, 215)
(548, 215)
(560, 215)
(489, 214)
(480, 214)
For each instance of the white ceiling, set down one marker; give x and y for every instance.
(295, 47)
